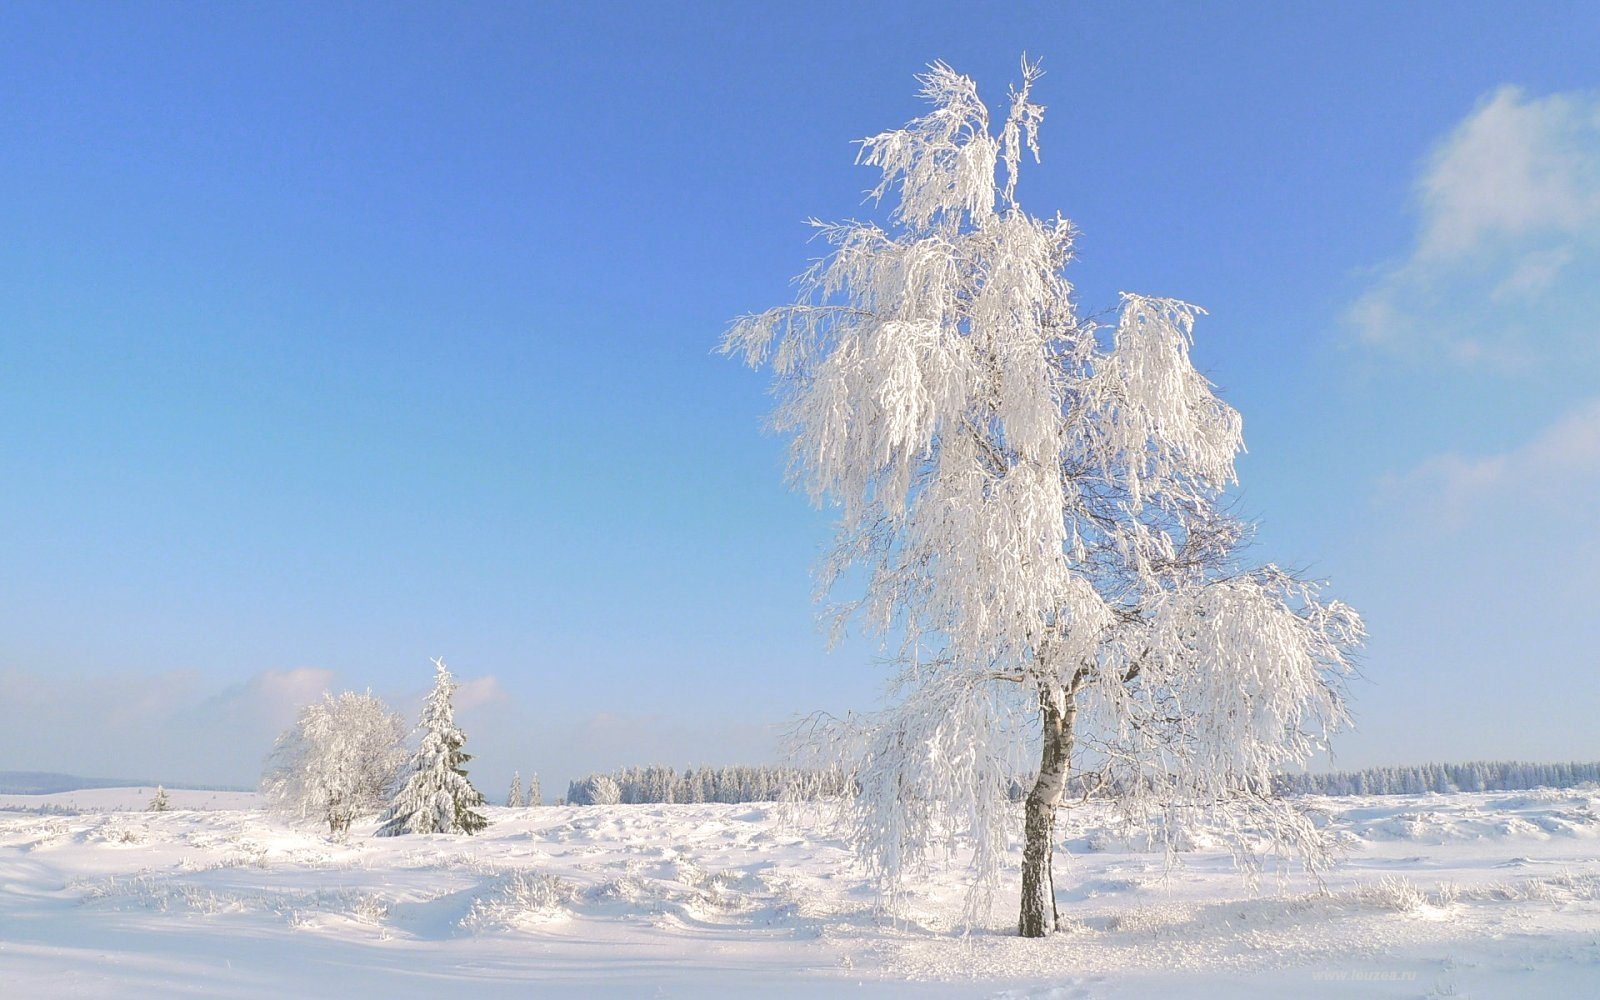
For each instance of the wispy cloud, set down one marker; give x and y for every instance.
(478, 692)
(1560, 463)
(180, 727)
(272, 694)
(173, 726)
(1505, 264)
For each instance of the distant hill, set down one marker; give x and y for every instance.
(51, 782)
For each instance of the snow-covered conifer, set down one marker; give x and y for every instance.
(337, 762)
(514, 798)
(159, 803)
(535, 794)
(436, 797)
(1035, 506)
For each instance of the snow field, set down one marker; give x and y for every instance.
(1470, 895)
(131, 799)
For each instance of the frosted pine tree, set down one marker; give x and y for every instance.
(535, 795)
(159, 802)
(1035, 507)
(436, 796)
(514, 797)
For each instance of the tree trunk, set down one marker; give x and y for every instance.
(1039, 916)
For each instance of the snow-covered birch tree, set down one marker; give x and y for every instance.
(436, 797)
(594, 790)
(1036, 507)
(337, 762)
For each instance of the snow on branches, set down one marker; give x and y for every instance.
(337, 762)
(1036, 506)
(436, 797)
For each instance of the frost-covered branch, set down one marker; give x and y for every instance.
(338, 762)
(1034, 511)
(436, 795)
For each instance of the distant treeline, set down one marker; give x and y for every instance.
(1477, 776)
(658, 783)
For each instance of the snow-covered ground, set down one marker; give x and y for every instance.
(1481, 895)
(129, 799)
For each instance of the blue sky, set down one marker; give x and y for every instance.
(332, 339)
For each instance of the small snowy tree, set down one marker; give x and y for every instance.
(436, 796)
(514, 797)
(337, 762)
(594, 790)
(535, 794)
(604, 791)
(159, 803)
(1035, 506)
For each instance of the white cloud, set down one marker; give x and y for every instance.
(272, 695)
(1506, 257)
(1559, 463)
(1517, 166)
(478, 692)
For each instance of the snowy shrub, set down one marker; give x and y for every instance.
(144, 891)
(520, 897)
(1574, 885)
(604, 792)
(1563, 887)
(369, 910)
(626, 888)
(117, 833)
(337, 762)
(31, 834)
(1393, 893)
(723, 891)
